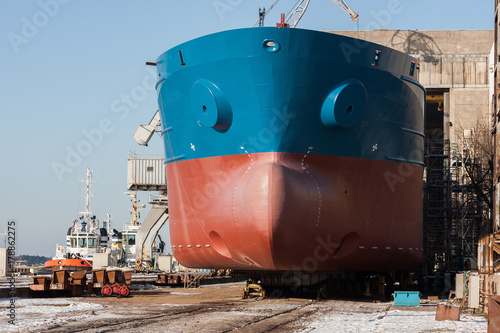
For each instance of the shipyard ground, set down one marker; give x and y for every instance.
(220, 308)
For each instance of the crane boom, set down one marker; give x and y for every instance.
(342, 4)
(297, 13)
(300, 8)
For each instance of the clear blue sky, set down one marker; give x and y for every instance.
(68, 66)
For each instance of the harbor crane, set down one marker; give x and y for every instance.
(299, 10)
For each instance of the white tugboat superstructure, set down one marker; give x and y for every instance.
(84, 238)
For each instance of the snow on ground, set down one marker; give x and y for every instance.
(32, 314)
(395, 321)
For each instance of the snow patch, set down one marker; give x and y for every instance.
(142, 287)
(394, 321)
(35, 314)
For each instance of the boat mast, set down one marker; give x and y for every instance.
(88, 195)
(88, 221)
(135, 211)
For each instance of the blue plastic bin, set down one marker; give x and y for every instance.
(406, 298)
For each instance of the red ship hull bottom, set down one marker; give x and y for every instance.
(284, 211)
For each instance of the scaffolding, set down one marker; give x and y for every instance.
(456, 210)
(437, 209)
(468, 209)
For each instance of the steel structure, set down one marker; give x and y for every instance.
(436, 206)
(456, 212)
(299, 10)
(342, 4)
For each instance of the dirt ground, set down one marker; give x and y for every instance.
(220, 308)
(212, 308)
(216, 308)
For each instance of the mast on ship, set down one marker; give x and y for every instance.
(135, 211)
(87, 217)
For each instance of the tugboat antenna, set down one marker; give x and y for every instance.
(88, 194)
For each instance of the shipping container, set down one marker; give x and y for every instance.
(146, 174)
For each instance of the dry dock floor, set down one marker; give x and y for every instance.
(219, 308)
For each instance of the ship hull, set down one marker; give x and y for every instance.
(290, 149)
(295, 212)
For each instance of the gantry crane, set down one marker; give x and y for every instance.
(298, 11)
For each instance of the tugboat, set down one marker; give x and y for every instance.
(123, 247)
(84, 238)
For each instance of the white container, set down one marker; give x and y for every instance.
(473, 291)
(101, 260)
(165, 263)
(146, 174)
(4, 263)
